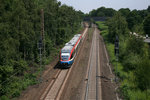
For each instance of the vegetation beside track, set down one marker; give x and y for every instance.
(134, 62)
(20, 31)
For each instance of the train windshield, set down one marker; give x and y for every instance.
(65, 56)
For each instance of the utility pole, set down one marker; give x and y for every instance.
(41, 43)
(42, 30)
(116, 54)
(40, 54)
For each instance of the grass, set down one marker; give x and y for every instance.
(128, 89)
(110, 49)
(101, 25)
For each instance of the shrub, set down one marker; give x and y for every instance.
(142, 74)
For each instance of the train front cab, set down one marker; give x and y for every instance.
(68, 63)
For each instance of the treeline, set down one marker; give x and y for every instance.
(20, 31)
(102, 12)
(134, 55)
(137, 20)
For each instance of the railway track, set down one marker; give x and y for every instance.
(57, 85)
(93, 84)
(53, 91)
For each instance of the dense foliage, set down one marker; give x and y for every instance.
(134, 55)
(20, 31)
(102, 12)
(117, 25)
(134, 18)
(146, 25)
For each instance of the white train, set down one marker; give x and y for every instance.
(69, 51)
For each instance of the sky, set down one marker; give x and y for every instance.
(88, 5)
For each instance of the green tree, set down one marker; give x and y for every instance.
(135, 45)
(117, 25)
(148, 9)
(133, 53)
(102, 12)
(133, 18)
(142, 74)
(124, 12)
(146, 25)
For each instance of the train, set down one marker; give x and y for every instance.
(69, 51)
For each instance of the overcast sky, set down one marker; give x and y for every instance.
(87, 5)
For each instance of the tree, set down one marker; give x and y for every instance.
(124, 12)
(142, 74)
(102, 12)
(146, 25)
(133, 53)
(134, 45)
(148, 9)
(117, 25)
(133, 18)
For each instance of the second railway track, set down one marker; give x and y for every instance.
(93, 84)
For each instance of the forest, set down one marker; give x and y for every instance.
(20, 33)
(133, 66)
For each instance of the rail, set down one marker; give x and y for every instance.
(93, 85)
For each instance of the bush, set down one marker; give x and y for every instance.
(138, 95)
(142, 74)
(135, 45)
(130, 62)
(124, 91)
(20, 66)
(4, 98)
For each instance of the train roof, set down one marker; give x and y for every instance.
(74, 40)
(68, 46)
(66, 49)
(77, 35)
